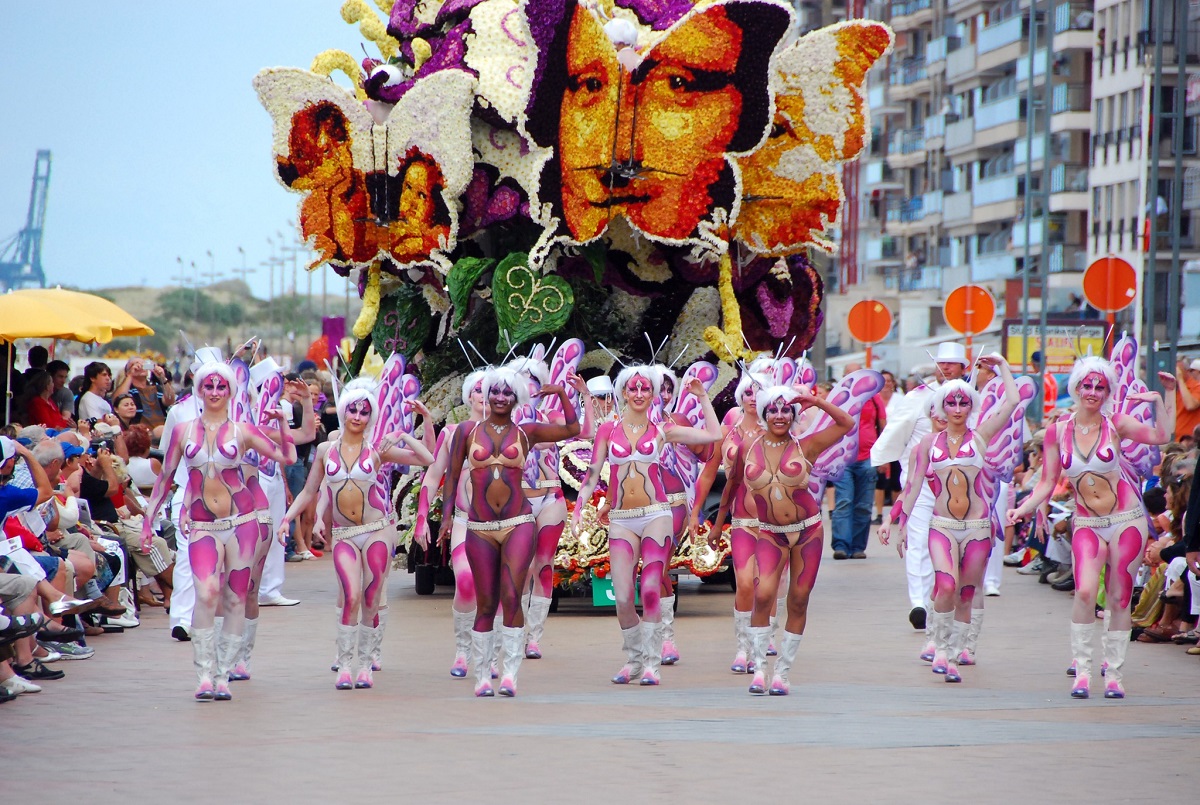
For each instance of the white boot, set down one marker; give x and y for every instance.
(967, 655)
(958, 637)
(1083, 641)
(370, 638)
(760, 636)
(779, 617)
(241, 666)
(535, 622)
(741, 660)
(377, 647)
(347, 640)
(497, 646)
(941, 639)
(483, 648)
(512, 650)
(463, 621)
(204, 658)
(787, 656)
(670, 654)
(930, 648)
(1116, 644)
(229, 647)
(652, 652)
(632, 642)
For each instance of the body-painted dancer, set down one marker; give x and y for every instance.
(542, 484)
(501, 530)
(952, 463)
(1100, 450)
(640, 524)
(349, 478)
(220, 514)
(773, 468)
(463, 608)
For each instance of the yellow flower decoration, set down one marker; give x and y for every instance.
(371, 27)
(370, 309)
(727, 341)
(325, 62)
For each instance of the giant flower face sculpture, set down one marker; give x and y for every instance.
(374, 190)
(791, 186)
(647, 134)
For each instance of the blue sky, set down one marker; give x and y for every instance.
(160, 147)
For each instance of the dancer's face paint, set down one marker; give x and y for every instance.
(638, 393)
(502, 398)
(214, 389)
(358, 414)
(477, 398)
(779, 416)
(1093, 390)
(957, 406)
(748, 397)
(667, 392)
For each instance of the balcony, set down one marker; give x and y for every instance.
(1073, 17)
(880, 104)
(938, 49)
(1066, 258)
(998, 112)
(987, 266)
(1039, 148)
(907, 9)
(904, 210)
(994, 37)
(906, 148)
(884, 249)
(960, 134)
(995, 190)
(880, 176)
(1039, 66)
(935, 126)
(1069, 179)
(1043, 231)
(1070, 98)
(931, 203)
(956, 209)
(909, 71)
(925, 278)
(960, 62)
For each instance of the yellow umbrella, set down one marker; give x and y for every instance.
(30, 317)
(92, 309)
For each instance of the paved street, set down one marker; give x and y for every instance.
(866, 720)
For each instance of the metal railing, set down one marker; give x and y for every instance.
(908, 71)
(908, 141)
(1073, 17)
(1070, 98)
(905, 210)
(924, 278)
(909, 7)
(935, 126)
(1001, 34)
(1069, 179)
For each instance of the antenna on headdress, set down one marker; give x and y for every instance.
(511, 349)
(936, 368)
(186, 340)
(486, 362)
(333, 377)
(463, 347)
(653, 351)
(671, 365)
(613, 355)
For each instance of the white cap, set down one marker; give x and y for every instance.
(600, 386)
(262, 370)
(1195, 365)
(8, 449)
(206, 354)
(951, 352)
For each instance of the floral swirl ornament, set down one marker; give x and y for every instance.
(649, 133)
(528, 304)
(377, 190)
(792, 188)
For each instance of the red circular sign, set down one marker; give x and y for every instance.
(1110, 284)
(969, 309)
(869, 321)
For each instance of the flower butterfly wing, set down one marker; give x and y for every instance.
(791, 187)
(807, 373)
(241, 392)
(324, 149)
(850, 394)
(687, 405)
(1137, 460)
(269, 395)
(1124, 361)
(786, 371)
(389, 399)
(566, 360)
(427, 141)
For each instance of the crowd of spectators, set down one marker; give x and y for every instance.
(78, 458)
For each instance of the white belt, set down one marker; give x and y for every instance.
(803, 525)
(224, 523)
(500, 525)
(543, 484)
(675, 498)
(640, 511)
(346, 532)
(1108, 519)
(743, 522)
(960, 525)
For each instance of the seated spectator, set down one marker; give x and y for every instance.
(92, 402)
(35, 406)
(125, 407)
(143, 469)
(151, 390)
(62, 397)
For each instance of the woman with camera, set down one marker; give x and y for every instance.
(152, 392)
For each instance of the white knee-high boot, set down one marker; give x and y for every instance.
(229, 646)
(670, 654)
(370, 639)
(535, 624)
(741, 622)
(1116, 644)
(347, 640)
(783, 664)
(377, 646)
(241, 665)
(652, 652)
(512, 650)
(633, 644)
(483, 649)
(204, 658)
(1083, 641)
(463, 621)
(941, 639)
(967, 655)
(760, 636)
(958, 636)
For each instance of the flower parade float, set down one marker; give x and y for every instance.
(624, 172)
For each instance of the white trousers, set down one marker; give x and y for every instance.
(916, 560)
(272, 578)
(183, 596)
(995, 565)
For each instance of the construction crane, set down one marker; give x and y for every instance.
(21, 255)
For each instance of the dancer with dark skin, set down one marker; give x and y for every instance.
(501, 530)
(773, 469)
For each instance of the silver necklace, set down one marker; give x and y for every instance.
(636, 428)
(771, 443)
(499, 429)
(1084, 429)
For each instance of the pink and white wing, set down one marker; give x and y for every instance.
(268, 400)
(241, 394)
(1138, 459)
(851, 394)
(566, 360)
(787, 371)
(807, 373)
(1005, 450)
(1124, 360)
(687, 404)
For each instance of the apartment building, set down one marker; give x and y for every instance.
(952, 190)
